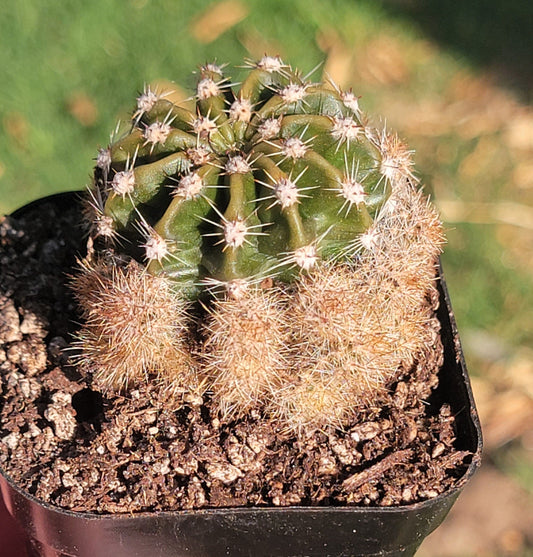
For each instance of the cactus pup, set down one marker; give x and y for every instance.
(266, 247)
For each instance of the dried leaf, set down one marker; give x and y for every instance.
(338, 66)
(217, 19)
(83, 108)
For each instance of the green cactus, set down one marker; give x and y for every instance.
(297, 224)
(244, 185)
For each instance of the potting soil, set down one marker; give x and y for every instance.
(67, 444)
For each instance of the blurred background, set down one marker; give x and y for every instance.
(455, 79)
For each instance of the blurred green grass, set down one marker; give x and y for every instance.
(107, 51)
(69, 69)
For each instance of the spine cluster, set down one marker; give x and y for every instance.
(264, 245)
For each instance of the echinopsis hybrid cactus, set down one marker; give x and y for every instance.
(267, 247)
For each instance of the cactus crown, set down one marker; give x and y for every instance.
(244, 185)
(308, 218)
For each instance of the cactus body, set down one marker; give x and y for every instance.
(244, 185)
(306, 218)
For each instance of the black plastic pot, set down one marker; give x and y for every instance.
(260, 532)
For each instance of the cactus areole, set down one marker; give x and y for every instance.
(297, 225)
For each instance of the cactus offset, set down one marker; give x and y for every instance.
(296, 224)
(122, 304)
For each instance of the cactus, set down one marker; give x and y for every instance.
(284, 252)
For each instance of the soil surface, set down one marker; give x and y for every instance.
(68, 445)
